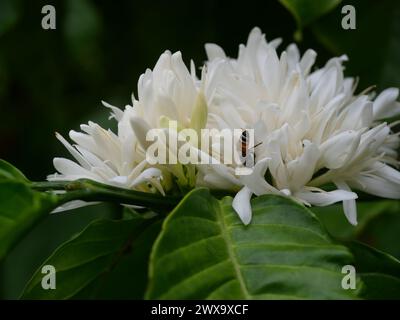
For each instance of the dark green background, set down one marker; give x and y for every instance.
(53, 80)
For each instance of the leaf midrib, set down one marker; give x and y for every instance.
(228, 240)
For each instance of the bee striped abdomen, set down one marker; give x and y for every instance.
(244, 142)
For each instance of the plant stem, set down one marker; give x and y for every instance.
(50, 185)
(88, 190)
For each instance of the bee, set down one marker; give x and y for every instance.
(247, 154)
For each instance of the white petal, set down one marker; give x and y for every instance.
(107, 145)
(337, 149)
(349, 206)
(199, 113)
(387, 172)
(325, 88)
(385, 105)
(84, 140)
(141, 127)
(324, 198)
(116, 113)
(307, 61)
(357, 115)
(78, 156)
(119, 180)
(146, 176)
(71, 170)
(137, 170)
(293, 56)
(152, 176)
(214, 51)
(242, 206)
(271, 75)
(214, 181)
(226, 173)
(155, 182)
(166, 107)
(275, 43)
(376, 185)
(301, 169)
(256, 181)
(73, 205)
(96, 163)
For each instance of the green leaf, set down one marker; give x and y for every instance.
(204, 251)
(9, 172)
(378, 224)
(307, 11)
(383, 232)
(23, 203)
(107, 260)
(20, 206)
(379, 272)
(20, 209)
(334, 220)
(9, 15)
(82, 28)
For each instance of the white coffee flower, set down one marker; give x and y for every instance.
(169, 92)
(108, 158)
(313, 130)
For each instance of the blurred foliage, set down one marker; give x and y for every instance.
(37, 246)
(306, 11)
(98, 262)
(378, 224)
(53, 80)
(21, 208)
(8, 15)
(373, 47)
(379, 272)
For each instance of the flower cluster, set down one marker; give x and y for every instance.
(310, 127)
